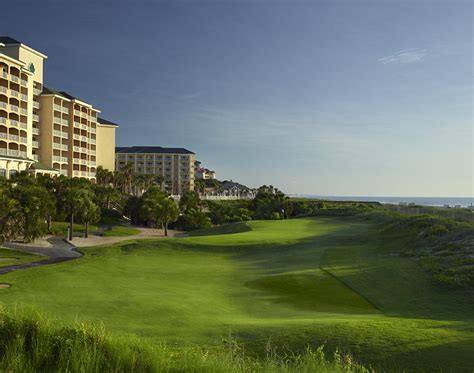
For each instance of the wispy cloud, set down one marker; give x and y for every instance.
(405, 56)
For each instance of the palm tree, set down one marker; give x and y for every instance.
(127, 173)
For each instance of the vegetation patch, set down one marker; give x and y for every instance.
(121, 231)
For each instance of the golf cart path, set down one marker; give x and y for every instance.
(56, 249)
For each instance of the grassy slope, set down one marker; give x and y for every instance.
(12, 257)
(121, 231)
(302, 281)
(60, 228)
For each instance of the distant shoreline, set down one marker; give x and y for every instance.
(424, 201)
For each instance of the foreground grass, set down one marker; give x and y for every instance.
(121, 231)
(313, 281)
(10, 257)
(31, 344)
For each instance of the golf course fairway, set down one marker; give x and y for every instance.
(310, 281)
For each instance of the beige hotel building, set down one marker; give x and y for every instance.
(174, 165)
(44, 130)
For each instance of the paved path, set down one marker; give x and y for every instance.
(56, 249)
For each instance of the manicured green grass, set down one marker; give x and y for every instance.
(60, 228)
(12, 257)
(121, 231)
(312, 281)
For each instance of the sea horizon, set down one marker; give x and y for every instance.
(425, 201)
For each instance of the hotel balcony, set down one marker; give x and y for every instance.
(36, 104)
(57, 108)
(35, 131)
(64, 135)
(24, 111)
(4, 75)
(14, 108)
(77, 112)
(23, 125)
(60, 159)
(14, 78)
(35, 157)
(14, 93)
(3, 105)
(59, 146)
(36, 118)
(13, 153)
(92, 141)
(63, 172)
(65, 110)
(24, 83)
(3, 89)
(93, 130)
(77, 124)
(24, 97)
(84, 127)
(36, 91)
(84, 138)
(14, 123)
(35, 144)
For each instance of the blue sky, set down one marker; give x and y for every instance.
(325, 97)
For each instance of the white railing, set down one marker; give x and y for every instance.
(76, 137)
(57, 120)
(65, 110)
(14, 108)
(36, 117)
(77, 124)
(57, 107)
(77, 160)
(92, 141)
(24, 111)
(84, 126)
(64, 122)
(23, 140)
(14, 123)
(77, 149)
(57, 158)
(24, 82)
(3, 89)
(35, 144)
(36, 91)
(3, 135)
(14, 78)
(3, 105)
(83, 161)
(93, 130)
(57, 133)
(63, 172)
(24, 97)
(84, 150)
(14, 93)
(92, 163)
(84, 115)
(35, 131)
(35, 157)
(76, 173)
(23, 125)
(36, 104)
(3, 120)
(77, 112)
(4, 74)
(83, 138)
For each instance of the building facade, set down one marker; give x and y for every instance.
(46, 130)
(174, 165)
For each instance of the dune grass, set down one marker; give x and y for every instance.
(30, 343)
(121, 231)
(12, 257)
(312, 281)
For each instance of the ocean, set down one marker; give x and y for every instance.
(426, 201)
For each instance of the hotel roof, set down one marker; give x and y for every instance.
(8, 40)
(151, 150)
(107, 122)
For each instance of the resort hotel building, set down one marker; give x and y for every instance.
(175, 166)
(43, 130)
